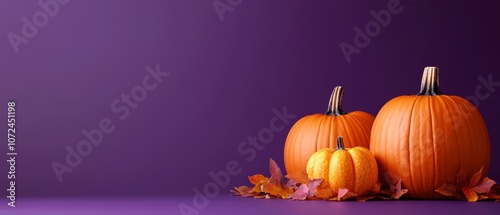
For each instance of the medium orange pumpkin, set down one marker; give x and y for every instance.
(317, 131)
(354, 168)
(424, 139)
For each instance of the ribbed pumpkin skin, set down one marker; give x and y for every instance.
(425, 139)
(314, 132)
(354, 169)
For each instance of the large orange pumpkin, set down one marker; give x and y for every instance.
(354, 168)
(424, 139)
(318, 131)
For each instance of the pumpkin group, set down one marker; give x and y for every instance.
(318, 131)
(425, 139)
(354, 168)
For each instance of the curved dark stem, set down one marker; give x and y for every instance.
(335, 104)
(340, 143)
(430, 82)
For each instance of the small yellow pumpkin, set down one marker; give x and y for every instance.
(351, 168)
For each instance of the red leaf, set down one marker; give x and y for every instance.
(471, 195)
(462, 178)
(475, 178)
(276, 174)
(484, 186)
(301, 193)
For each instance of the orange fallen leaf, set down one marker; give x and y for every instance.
(473, 190)
(323, 191)
(299, 177)
(258, 178)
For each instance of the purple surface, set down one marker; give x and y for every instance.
(245, 206)
(226, 77)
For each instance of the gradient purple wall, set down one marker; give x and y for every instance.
(225, 79)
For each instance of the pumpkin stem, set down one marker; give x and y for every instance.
(335, 104)
(340, 143)
(430, 82)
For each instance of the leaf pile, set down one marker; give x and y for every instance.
(297, 186)
(473, 190)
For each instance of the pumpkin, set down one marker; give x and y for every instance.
(425, 139)
(352, 168)
(317, 131)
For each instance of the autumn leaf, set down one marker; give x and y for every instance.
(301, 193)
(484, 186)
(258, 188)
(364, 198)
(243, 191)
(299, 177)
(256, 179)
(323, 191)
(469, 194)
(462, 177)
(344, 194)
(313, 184)
(473, 190)
(397, 192)
(494, 193)
(271, 189)
(297, 186)
(450, 190)
(290, 184)
(376, 188)
(475, 178)
(276, 175)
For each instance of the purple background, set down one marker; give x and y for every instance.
(225, 79)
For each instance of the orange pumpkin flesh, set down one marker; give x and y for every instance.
(354, 168)
(318, 131)
(424, 139)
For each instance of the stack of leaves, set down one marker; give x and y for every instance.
(472, 190)
(297, 186)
